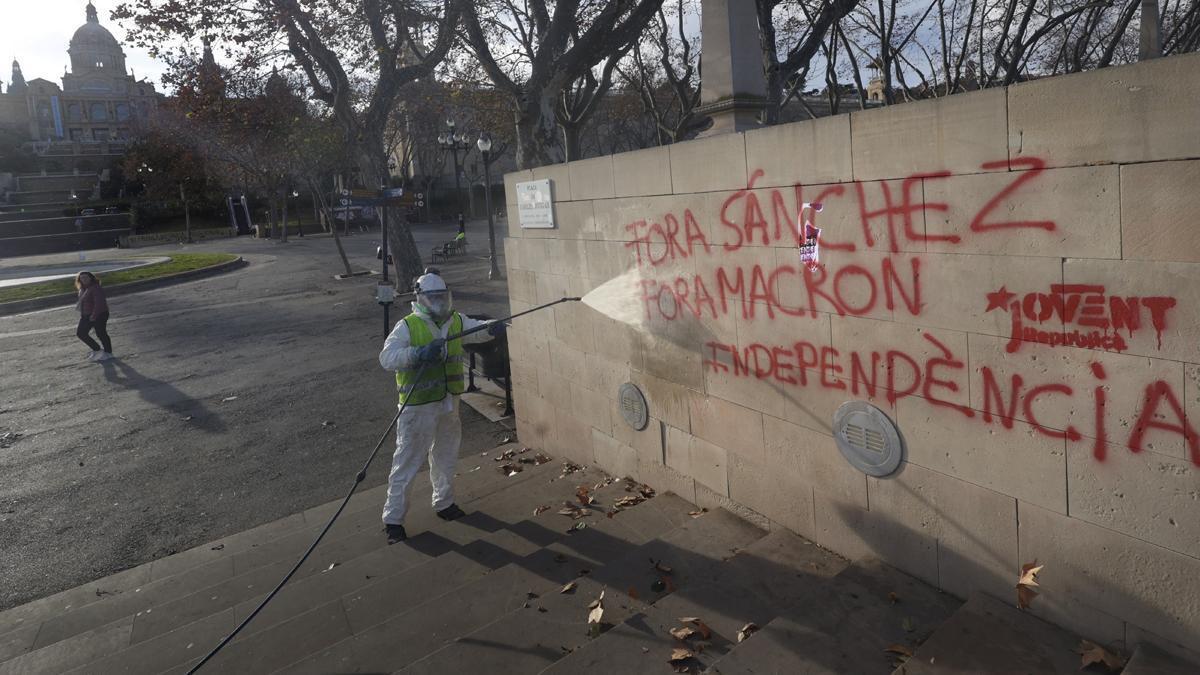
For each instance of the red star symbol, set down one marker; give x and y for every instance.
(999, 299)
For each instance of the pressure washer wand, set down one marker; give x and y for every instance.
(509, 318)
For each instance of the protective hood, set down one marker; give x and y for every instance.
(434, 299)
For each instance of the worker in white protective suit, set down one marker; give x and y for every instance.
(430, 376)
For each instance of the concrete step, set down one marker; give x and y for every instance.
(420, 630)
(361, 560)
(532, 637)
(1150, 660)
(640, 644)
(989, 636)
(843, 624)
(217, 576)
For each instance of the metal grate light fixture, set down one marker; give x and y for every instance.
(867, 438)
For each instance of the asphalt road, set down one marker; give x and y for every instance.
(233, 401)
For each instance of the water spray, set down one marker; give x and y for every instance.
(358, 479)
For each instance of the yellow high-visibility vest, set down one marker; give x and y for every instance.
(437, 379)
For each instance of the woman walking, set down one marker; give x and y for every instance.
(93, 313)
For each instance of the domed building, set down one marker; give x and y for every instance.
(99, 102)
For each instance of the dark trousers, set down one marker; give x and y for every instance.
(100, 324)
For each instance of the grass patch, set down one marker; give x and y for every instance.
(179, 262)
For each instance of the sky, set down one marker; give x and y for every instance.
(37, 32)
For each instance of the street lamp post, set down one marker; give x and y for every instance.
(383, 235)
(454, 142)
(485, 147)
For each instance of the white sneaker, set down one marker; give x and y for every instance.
(102, 356)
(91, 356)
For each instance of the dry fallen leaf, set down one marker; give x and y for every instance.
(632, 592)
(682, 633)
(596, 613)
(540, 459)
(583, 494)
(660, 567)
(746, 631)
(697, 514)
(1093, 653)
(679, 658)
(568, 588)
(1026, 583)
(689, 619)
(705, 631)
(898, 649)
(893, 598)
(540, 510)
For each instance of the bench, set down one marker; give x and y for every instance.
(458, 246)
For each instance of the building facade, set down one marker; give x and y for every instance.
(98, 101)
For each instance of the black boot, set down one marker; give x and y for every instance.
(395, 533)
(451, 512)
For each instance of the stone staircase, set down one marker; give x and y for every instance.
(486, 594)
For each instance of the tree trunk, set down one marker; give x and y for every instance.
(535, 133)
(570, 134)
(283, 220)
(325, 209)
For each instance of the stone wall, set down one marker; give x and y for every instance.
(1012, 275)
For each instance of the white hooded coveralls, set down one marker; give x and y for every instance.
(432, 429)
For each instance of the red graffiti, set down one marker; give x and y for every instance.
(1083, 305)
(882, 278)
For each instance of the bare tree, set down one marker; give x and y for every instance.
(664, 69)
(532, 50)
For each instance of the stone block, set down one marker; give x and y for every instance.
(573, 324)
(532, 253)
(572, 437)
(553, 387)
(975, 528)
(604, 376)
(666, 400)
(855, 533)
(665, 479)
(572, 220)
(522, 285)
(512, 254)
(1069, 212)
(1180, 324)
(669, 360)
(784, 497)
(676, 450)
(592, 178)
(607, 259)
(551, 287)
(799, 153)
(955, 288)
(1147, 495)
(1159, 207)
(1126, 379)
(642, 172)
(1019, 462)
(712, 501)
(614, 457)
(591, 408)
(709, 164)
(796, 454)
(613, 219)
(957, 133)
(728, 425)
(863, 283)
(865, 338)
(560, 181)
(1125, 577)
(647, 443)
(616, 341)
(566, 361)
(709, 465)
(1136, 113)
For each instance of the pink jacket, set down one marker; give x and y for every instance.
(92, 303)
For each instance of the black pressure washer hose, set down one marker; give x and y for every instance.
(358, 479)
